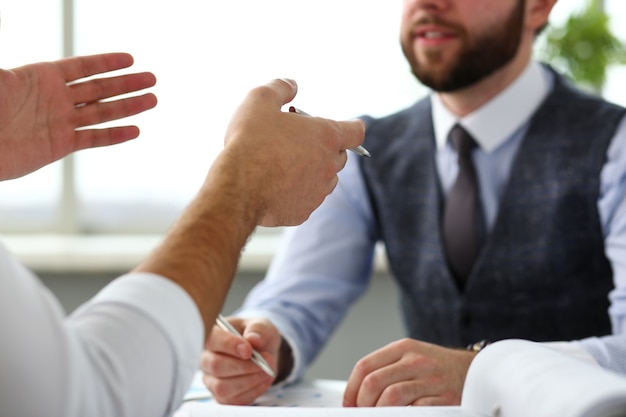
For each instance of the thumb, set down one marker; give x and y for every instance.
(283, 91)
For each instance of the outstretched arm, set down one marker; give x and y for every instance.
(275, 169)
(45, 108)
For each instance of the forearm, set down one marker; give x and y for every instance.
(201, 251)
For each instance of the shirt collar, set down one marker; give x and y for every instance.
(497, 120)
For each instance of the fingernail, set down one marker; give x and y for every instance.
(242, 350)
(289, 81)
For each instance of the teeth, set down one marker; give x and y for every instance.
(433, 35)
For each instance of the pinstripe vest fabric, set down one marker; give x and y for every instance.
(542, 273)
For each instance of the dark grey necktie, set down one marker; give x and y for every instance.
(462, 218)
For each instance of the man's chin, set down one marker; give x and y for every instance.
(434, 79)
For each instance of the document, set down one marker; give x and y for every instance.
(236, 411)
(321, 397)
(317, 393)
(512, 378)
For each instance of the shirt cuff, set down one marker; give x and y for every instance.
(572, 349)
(167, 305)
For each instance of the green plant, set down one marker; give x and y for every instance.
(584, 47)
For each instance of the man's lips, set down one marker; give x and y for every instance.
(434, 35)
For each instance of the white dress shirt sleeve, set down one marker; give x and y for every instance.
(321, 268)
(130, 351)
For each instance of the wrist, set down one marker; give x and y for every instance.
(239, 184)
(285, 361)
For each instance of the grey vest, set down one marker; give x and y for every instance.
(542, 273)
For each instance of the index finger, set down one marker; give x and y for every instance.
(351, 133)
(351, 391)
(364, 367)
(78, 67)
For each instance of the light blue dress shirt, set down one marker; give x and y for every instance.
(325, 264)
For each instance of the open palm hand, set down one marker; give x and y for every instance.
(45, 106)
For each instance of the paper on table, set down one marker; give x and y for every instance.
(197, 410)
(317, 393)
(511, 378)
(517, 378)
(307, 398)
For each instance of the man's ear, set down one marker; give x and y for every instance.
(538, 13)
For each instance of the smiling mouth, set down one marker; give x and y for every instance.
(434, 35)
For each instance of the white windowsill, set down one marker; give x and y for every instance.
(101, 254)
(56, 253)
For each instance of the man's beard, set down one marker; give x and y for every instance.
(487, 54)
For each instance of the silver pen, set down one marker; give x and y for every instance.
(359, 150)
(256, 356)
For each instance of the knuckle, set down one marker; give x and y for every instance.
(329, 172)
(416, 361)
(262, 92)
(371, 382)
(204, 360)
(394, 395)
(426, 402)
(210, 365)
(221, 390)
(403, 343)
(362, 366)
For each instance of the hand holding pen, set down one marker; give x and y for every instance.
(221, 398)
(359, 150)
(256, 356)
(228, 368)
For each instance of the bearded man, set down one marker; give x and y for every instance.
(499, 199)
